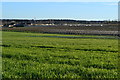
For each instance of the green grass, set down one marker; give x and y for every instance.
(47, 57)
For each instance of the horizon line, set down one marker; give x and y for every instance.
(59, 19)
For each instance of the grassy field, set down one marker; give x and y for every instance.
(49, 57)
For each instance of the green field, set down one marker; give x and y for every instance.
(50, 57)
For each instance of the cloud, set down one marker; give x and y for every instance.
(112, 4)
